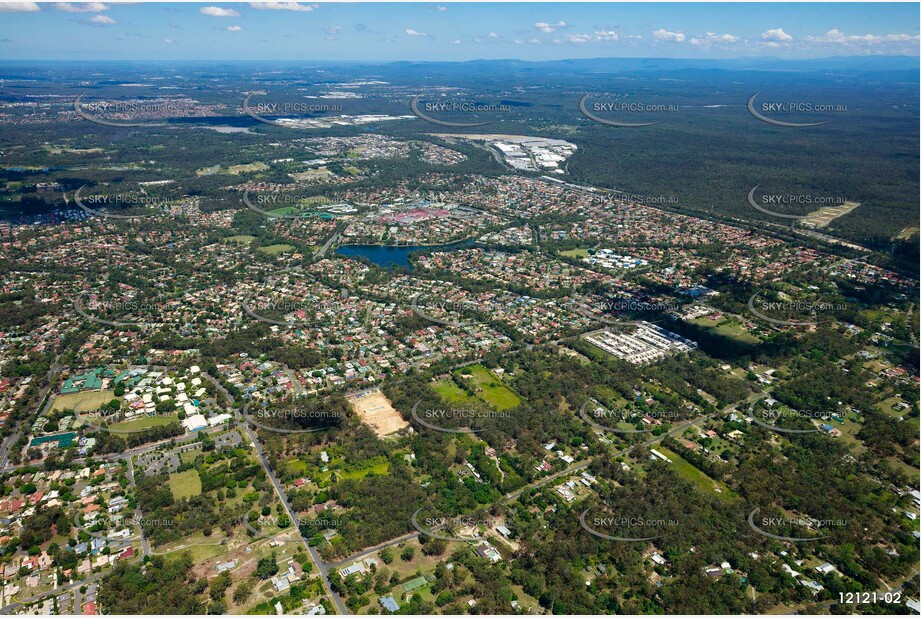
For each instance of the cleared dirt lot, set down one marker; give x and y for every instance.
(375, 411)
(824, 216)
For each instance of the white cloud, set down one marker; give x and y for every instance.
(216, 11)
(575, 39)
(412, 32)
(442, 8)
(233, 28)
(284, 6)
(534, 41)
(579, 39)
(835, 36)
(492, 35)
(776, 35)
(169, 41)
(332, 29)
(18, 7)
(545, 27)
(81, 7)
(664, 35)
(712, 38)
(102, 20)
(457, 41)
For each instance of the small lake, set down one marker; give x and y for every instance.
(388, 257)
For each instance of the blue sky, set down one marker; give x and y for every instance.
(451, 31)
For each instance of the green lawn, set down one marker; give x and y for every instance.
(911, 471)
(688, 472)
(379, 469)
(887, 406)
(83, 402)
(294, 466)
(199, 553)
(242, 239)
(728, 329)
(285, 210)
(451, 392)
(276, 249)
(576, 253)
(185, 484)
(490, 388)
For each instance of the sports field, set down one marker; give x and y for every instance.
(276, 249)
(84, 402)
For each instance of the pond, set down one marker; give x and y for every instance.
(388, 257)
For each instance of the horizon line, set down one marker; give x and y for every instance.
(511, 59)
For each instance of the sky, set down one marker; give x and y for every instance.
(451, 31)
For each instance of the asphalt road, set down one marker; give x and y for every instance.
(322, 567)
(145, 544)
(340, 606)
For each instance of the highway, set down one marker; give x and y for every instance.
(319, 254)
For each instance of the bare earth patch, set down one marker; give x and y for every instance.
(823, 216)
(376, 411)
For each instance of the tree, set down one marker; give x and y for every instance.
(219, 586)
(243, 592)
(266, 567)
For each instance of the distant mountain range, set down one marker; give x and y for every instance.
(608, 65)
(578, 65)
